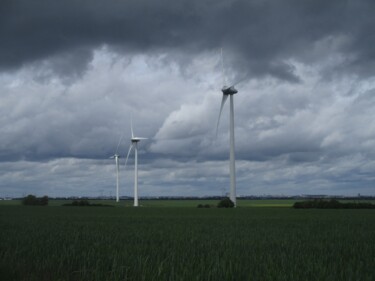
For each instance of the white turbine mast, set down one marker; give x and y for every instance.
(134, 144)
(229, 91)
(116, 157)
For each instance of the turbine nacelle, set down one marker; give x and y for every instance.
(229, 90)
(135, 139)
(115, 156)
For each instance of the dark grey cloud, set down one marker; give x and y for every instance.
(260, 36)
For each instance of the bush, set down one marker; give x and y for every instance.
(80, 203)
(203, 206)
(31, 200)
(225, 203)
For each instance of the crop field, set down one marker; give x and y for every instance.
(182, 243)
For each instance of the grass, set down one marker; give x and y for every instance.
(175, 243)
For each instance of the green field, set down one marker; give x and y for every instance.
(180, 243)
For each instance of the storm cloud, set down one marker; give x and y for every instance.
(260, 36)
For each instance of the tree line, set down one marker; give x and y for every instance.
(332, 204)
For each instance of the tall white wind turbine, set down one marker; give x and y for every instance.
(116, 157)
(229, 91)
(134, 144)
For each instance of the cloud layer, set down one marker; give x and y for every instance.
(73, 73)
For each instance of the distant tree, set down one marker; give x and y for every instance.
(203, 206)
(29, 200)
(331, 204)
(43, 201)
(32, 200)
(225, 203)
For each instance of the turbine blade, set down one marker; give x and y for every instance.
(131, 125)
(223, 100)
(130, 149)
(222, 69)
(119, 143)
(239, 81)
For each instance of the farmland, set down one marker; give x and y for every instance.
(182, 243)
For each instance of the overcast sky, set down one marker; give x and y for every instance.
(73, 72)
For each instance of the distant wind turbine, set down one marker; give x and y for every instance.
(116, 157)
(229, 91)
(134, 143)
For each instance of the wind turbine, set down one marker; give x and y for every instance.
(134, 143)
(229, 91)
(116, 157)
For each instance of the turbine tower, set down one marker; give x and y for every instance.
(134, 143)
(229, 91)
(116, 157)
